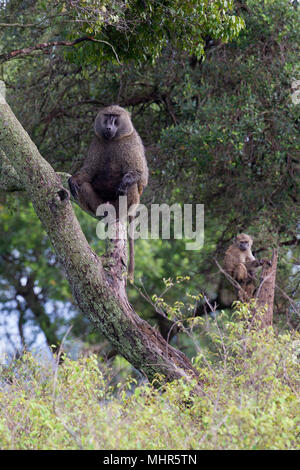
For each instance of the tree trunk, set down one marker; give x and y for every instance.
(266, 291)
(99, 288)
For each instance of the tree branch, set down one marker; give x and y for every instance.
(266, 291)
(39, 47)
(46, 45)
(98, 290)
(9, 179)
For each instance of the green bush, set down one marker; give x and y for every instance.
(248, 399)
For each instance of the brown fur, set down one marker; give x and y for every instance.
(240, 264)
(113, 167)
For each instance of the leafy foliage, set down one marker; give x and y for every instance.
(249, 399)
(134, 29)
(222, 131)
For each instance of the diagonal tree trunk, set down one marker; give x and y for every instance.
(99, 288)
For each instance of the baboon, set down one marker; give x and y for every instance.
(240, 264)
(115, 166)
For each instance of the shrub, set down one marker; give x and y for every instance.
(248, 399)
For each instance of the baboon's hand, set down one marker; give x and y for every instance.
(128, 180)
(265, 261)
(74, 187)
(122, 190)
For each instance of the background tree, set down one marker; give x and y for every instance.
(225, 127)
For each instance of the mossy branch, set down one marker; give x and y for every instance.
(100, 294)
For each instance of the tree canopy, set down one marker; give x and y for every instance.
(209, 85)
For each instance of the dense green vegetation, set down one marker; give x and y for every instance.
(225, 127)
(249, 400)
(209, 86)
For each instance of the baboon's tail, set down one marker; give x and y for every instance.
(131, 254)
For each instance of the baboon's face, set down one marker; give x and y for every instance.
(243, 245)
(113, 122)
(243, 242)
(109, 125)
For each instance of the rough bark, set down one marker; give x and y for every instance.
(266, 291)
(9, 180)
(98, 288)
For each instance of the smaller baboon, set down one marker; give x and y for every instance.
(240, 264)
(115, 166)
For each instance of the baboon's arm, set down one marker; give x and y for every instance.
(92, 165)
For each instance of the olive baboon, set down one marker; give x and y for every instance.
(115, 166)
(240, 264)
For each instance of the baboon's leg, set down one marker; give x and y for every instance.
(250, 288)
(240, 272)
(88, 198)
(133, 195)
(246, 292)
